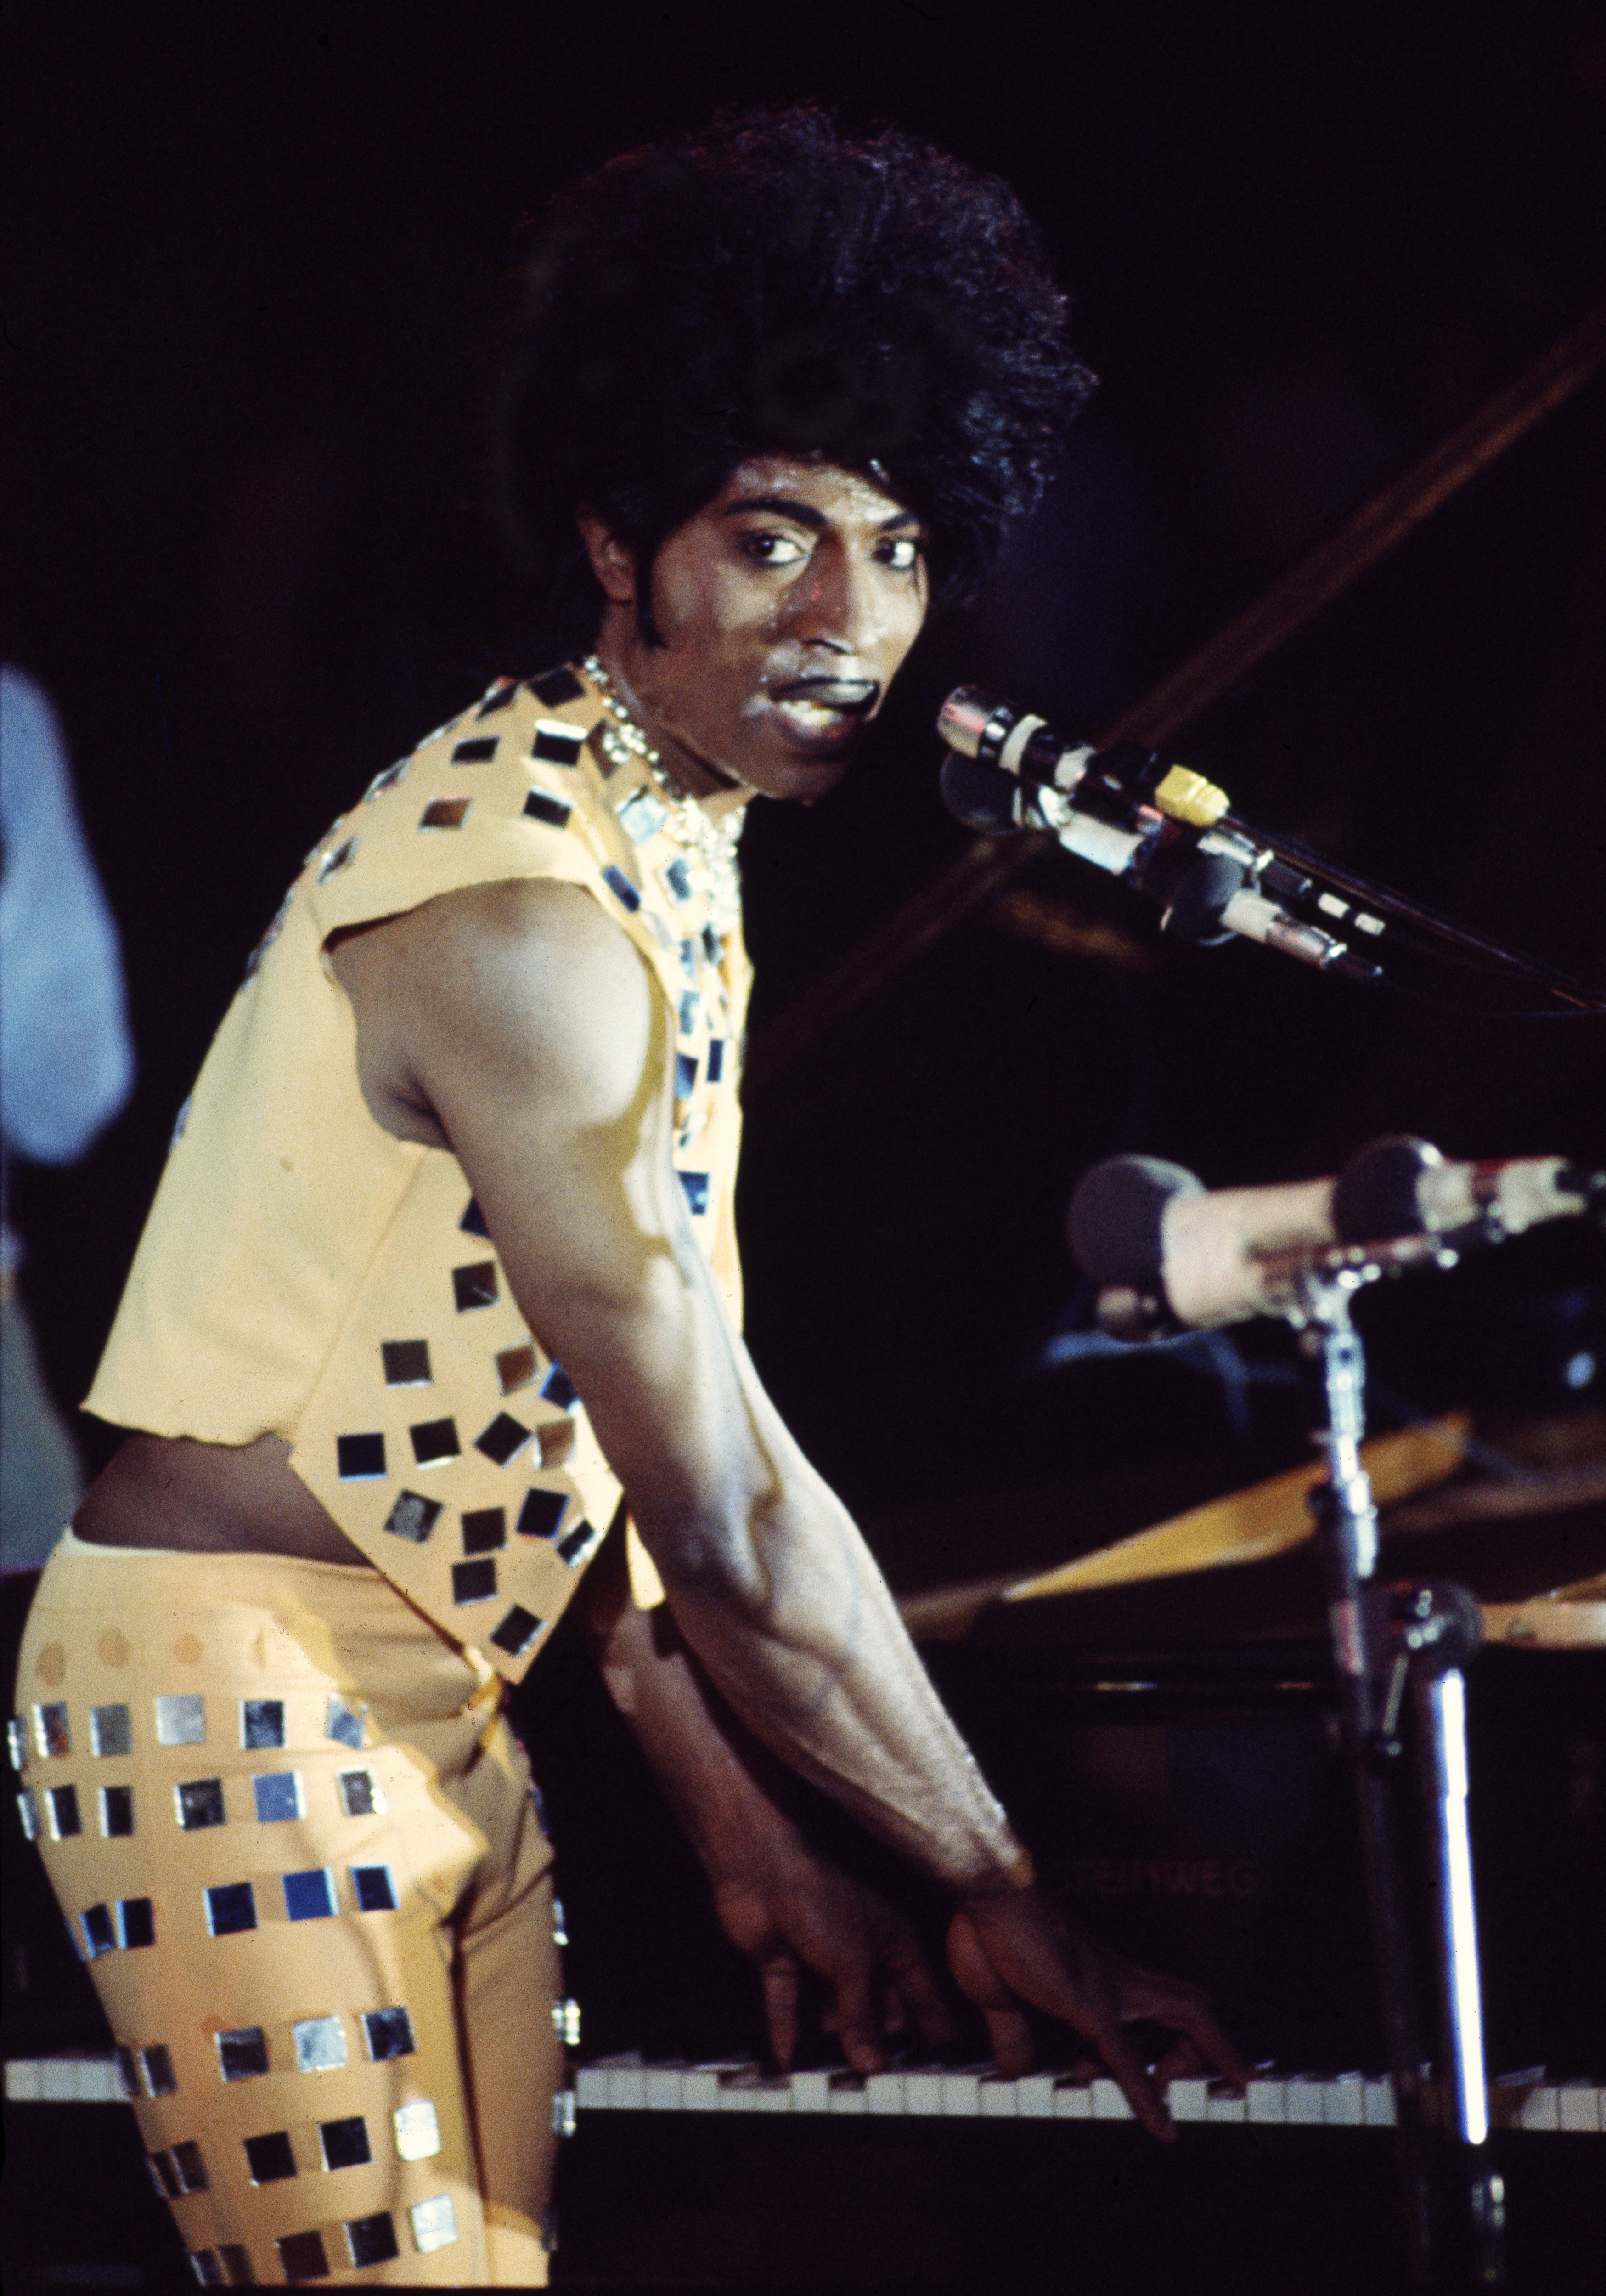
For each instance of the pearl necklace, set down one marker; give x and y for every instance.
(710, 846)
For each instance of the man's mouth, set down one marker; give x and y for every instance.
(826, 706)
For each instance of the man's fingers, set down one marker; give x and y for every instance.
(868, 1955)
(917, 1989)
(748, 1922)
(854, 2015)
(1140, 2092)
(1219, 2048)
(1009, 2034)
(1185, 2010)
(1011, 1949)
(973, 1971)
(936, 2022)
(934, 2019)
(778, 1975)
(1182, 2061)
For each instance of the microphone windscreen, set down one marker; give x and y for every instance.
(1376, 1196)
(982, 796)
(1201, 893)
(1114, 1225)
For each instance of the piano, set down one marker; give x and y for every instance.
(1167, 1746)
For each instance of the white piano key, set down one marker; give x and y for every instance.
(1222, 2106)
(1579, 2107)
(811, 2091)
(747, 2089)
(1344, 2101)
(591, 2089)
(1000, 2098)
(627, 2087)
(1378, 2109)
(1187, 2099)
(846, 2094)
(1507, 2093)
(884, 2093)
(1267, 2104)
(700, 2084)
(962, 2092)
(1108, 2102)
(1541, 2108)
(1304, 2102)
(600, 2083)
(1073, 2100)
(664, 2086)
(65, 2080)
(1035, 2096)
(922, 2092)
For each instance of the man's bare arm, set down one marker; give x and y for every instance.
(519, 1020)
(516, 1025)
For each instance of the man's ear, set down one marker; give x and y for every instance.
(611, 560)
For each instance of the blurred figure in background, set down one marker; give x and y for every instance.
(66, 1070)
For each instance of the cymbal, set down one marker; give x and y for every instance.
(1247, 1526)
(1567, 1617)
(1542, 1491)
(1573, 1618)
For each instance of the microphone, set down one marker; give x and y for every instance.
(1159, 827)
(979, 795)
(1159, 1244)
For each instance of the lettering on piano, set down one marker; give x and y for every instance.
(1159, 1877)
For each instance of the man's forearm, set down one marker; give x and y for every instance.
(807, 1646)
(770, 1581)
(716, 1778)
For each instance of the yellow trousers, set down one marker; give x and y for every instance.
(294, 1838)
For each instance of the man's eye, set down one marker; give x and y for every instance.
(772, 549)
(903, 553)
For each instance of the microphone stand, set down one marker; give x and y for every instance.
(1398, 1654)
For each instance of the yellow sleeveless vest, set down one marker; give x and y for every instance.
(304, 1273)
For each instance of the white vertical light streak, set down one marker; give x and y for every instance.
(1459, 1917)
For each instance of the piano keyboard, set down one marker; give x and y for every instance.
(628, 2084)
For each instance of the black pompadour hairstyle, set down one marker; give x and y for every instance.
(774, 285)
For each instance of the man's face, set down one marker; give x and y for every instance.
(786, 607)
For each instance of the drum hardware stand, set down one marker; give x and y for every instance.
(1398, 1653)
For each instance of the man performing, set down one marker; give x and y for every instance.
(444, 1262)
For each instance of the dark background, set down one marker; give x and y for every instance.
(257, 260)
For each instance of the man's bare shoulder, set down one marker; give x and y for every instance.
(525, 977)
(512, 935)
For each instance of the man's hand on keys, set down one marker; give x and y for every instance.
(1011, 1951)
